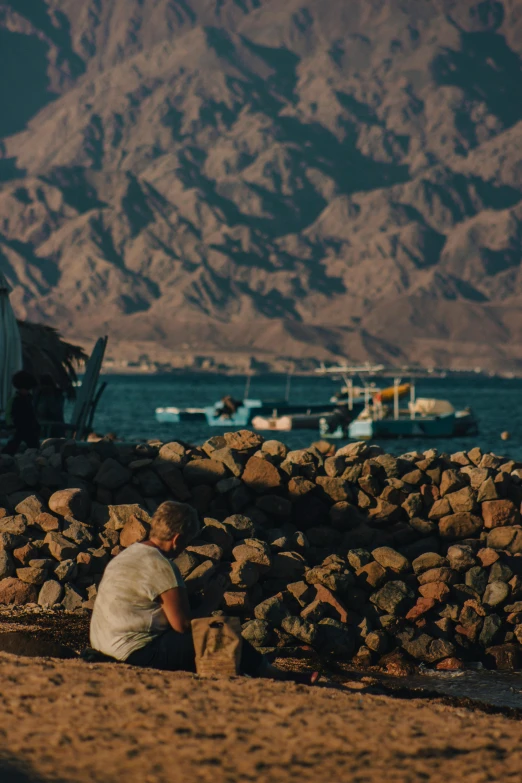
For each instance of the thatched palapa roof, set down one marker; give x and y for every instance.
(45, 353)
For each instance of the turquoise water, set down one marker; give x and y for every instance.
(128, 404)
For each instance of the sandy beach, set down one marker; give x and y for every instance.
(72, 721)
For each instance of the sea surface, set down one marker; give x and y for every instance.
(127, 407)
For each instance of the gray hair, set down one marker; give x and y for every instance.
(171, 518)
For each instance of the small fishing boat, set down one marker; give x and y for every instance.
(382, 416)
(241, 413)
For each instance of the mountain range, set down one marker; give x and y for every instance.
(268, 178)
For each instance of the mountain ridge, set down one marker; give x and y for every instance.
(318, 179)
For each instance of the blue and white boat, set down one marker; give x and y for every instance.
(240, 414)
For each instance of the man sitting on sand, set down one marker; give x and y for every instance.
(141, 613)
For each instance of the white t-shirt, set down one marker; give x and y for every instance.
(127, 614)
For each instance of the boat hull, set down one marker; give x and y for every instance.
(423, 427)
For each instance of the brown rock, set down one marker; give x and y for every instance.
(446, 575)
(487, 556)
(31, 576)
(237, 603)
(61, 548)
(244, 574)
(287, 566)
(461, 501)
(31, 507)
(373, 575)
(422, 607)
(390, 558)
(326, 596)
(449, 665)
(74, 503)
(25, 553)
(175, 453)
(258, 553)
(505, 657)
(384, 513)
(47, 522)
(336, 489)
(299, 487)
(112, 475)
(261, 476)
(427, 561)
(16, 525)
(436, 591)
(14, 591)
(459, 526)
(121, 514)
(135, 530)
(441, 508)
(302, 592)
(199, 578)
(451, 481)
(244, 440)
(487, 491)
(204, 472)
(500, 513)
(503, 537)
(172, 477)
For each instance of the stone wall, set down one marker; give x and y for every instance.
(356, 553)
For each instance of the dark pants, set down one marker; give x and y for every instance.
(174, 652)
(29, 436)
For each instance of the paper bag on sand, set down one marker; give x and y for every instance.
(217, 642)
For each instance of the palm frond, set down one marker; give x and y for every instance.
(45, 353)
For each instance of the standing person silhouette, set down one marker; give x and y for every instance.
(20, 414)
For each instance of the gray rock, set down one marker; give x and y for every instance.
(240, 526)
(491, 627)
(390, 558)
(275, 506)
(77, 532)
(477, 579)
(256, 551)
(500, 572)
(257, 632)
(66, 571)
(272, 610)
(461, 557)
(377, 641)
(496, 593)
(427, 561)
(335, 638)
(83, 466)
(7, 564)
(73, 598)
(393, 598)
(186, 562)
(111, 475)
(50, 593)
(359, 558)
(302, 630)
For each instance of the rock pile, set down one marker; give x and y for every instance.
(357, 553)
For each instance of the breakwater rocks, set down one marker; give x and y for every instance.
(357, 553)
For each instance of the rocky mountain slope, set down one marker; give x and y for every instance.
(308, 178)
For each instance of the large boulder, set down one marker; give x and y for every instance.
(14, 591)
(74, 503)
